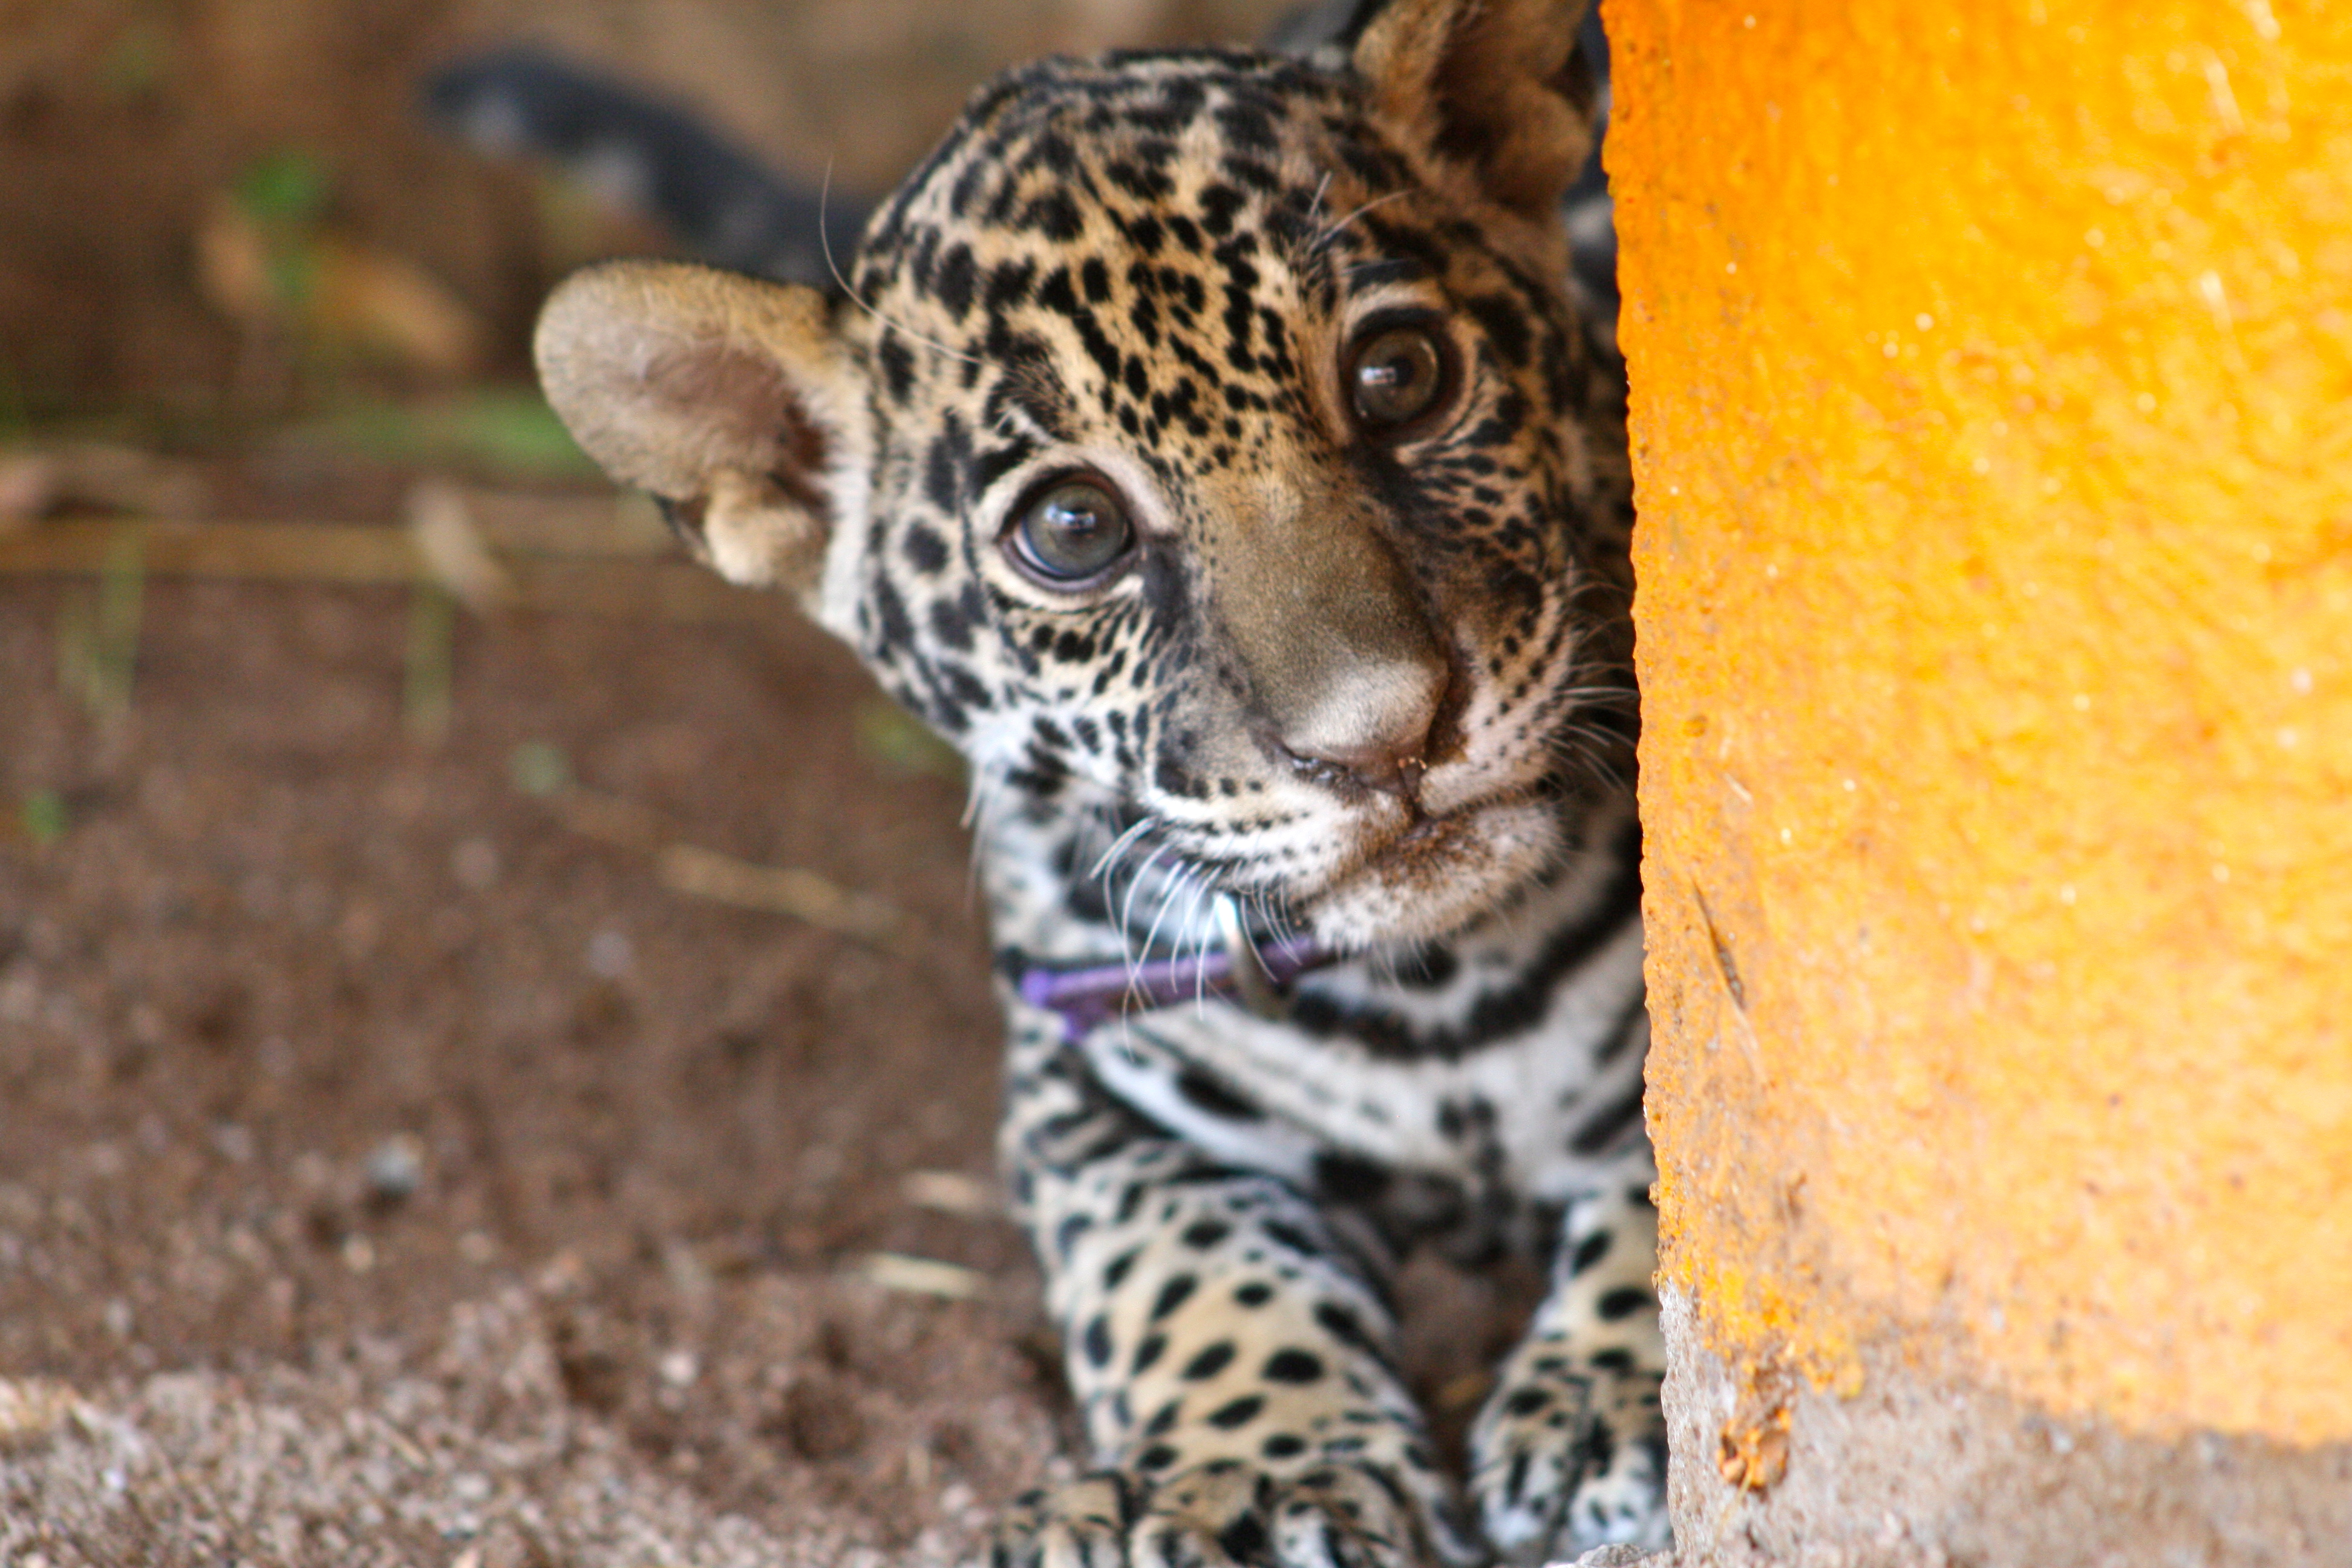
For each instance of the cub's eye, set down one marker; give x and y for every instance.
(1394, 376)
(1071, 532)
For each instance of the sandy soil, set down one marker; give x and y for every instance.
(384, 1155)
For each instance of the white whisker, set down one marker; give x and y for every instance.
(984, 797)
(1205, 893)
(1126, 906)
(1120, 845)
(1323, 241)
(824, 243)
(1151, 935)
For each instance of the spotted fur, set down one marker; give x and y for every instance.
(1366, 680)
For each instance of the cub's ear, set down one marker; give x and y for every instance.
(1496, 88)
(731, 399)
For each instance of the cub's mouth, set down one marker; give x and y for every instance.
(1434, 876)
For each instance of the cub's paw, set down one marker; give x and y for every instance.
(1081, 1525)
(1225, 1514)
(1566, 1457)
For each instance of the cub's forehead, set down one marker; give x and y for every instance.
(1128, 153)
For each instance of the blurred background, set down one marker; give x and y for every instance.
(152, 150)
(495, 1060)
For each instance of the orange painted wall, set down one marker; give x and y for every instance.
(1993, 371)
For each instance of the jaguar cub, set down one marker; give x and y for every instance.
(1206, 443)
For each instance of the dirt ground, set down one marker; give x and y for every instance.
(412, 1151)
(352, 1090)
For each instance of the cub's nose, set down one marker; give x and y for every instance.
(1338, 659)
(1370, 730)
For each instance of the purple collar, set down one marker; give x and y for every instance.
(1257, 975)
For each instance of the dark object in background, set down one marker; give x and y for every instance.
(1591, 213)
(725, 205)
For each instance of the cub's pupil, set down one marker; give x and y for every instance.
(1075, 530)
(1396, 376)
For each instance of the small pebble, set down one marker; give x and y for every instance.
(395, 1169)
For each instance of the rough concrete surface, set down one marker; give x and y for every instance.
(1996, 721)
(1923, 1469)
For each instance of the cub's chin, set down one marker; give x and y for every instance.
(1435, 878)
